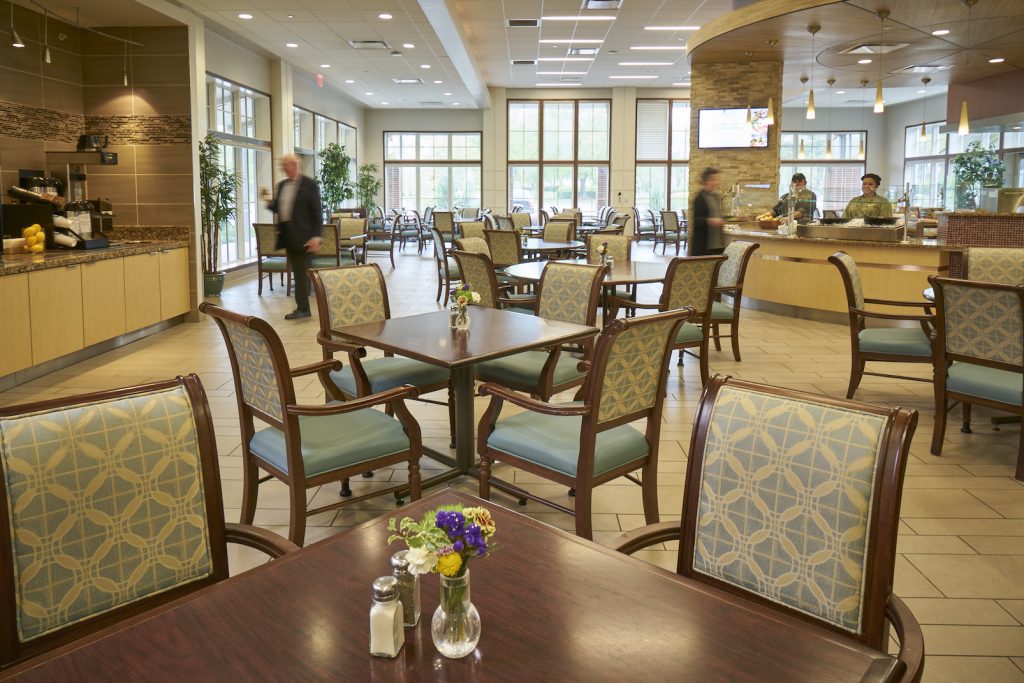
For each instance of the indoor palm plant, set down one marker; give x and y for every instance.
(218, 189)
(335, 178)
(368, 186)
(977, 167)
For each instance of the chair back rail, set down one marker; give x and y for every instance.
(734, 269)
(995, 264)
(619, 247)
(505, 247)
(690, 282)
(569, 292)
(478, 272)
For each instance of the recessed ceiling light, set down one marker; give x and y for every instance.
(438, 82)
(940, 32)
(325, 66)
(556, 85)
(385, 103)
(291, 16)
(657, 47)
(671, 28)
(291, 44)
(561, 73)
(369, 94)
(645, 63)
(600, 17)
(840, 92)
(565, 59)
(455, 104)
(684, 84)
(447, 94)
(630, 77)
(589, 41)
(408, 46)
(384, 15)
(921, 92)
(349, 80)
(244, 15)
(424, 66)
(996, 60)
(1016, 127)
(863, 61)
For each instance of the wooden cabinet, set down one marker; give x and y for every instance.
(141, 290)
(16, 326)
(174, 290)
(103, 292)
(56, 296)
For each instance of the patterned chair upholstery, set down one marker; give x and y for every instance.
(730, 281)
(269, 259)
(305, 446)
(472, 229)
(478, 272)
(620, 249)
(521, 219)
(995, 264)
(504, 222)
(892, 344)
(352, 237)
(381, 240)
(444, 223)
(327, 256)
(110, 505)
(559, 230)
(583, 445)
(670, 231)
(624, 222)
(447, 269)
(979, 352)
(505, 247)
(567, 292)
(825, 478)
(476, 245)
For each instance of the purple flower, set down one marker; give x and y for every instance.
(458, 545)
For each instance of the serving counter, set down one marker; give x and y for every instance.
(792, 275)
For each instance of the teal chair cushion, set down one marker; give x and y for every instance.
(276, 264)
(524, 369)
(323, 262)
(904, 341)
(671, 235)
(554, 442)
(330, 442)
(520, 307)
(990, 383)
(388, 373)
(720, 311)
(688, 332)
(453, 270)
(378, 245)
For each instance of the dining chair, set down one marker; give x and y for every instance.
(670, 231)
(791, 501)
(505, 222)
(995, 264)
(625, 222)
(979, 352)
(110, 505)
(477, 245)
(352, 237)
(356, 295)
(521, 220)
(478, 272)
(444, 223)
(305, 446)
(585, 444)
(505, 247)
(428, 218)
(545, 216)
(447, 269)
(329, 254)
(620, 249)
(559, 230)
(567, 292)
(730, 281)
(411, 231)
(270, 260)
(381, 241)
(641, 228)
(889, 344)
(472, 228)
(689, 283)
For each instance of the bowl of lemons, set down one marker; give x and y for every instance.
(35, 239)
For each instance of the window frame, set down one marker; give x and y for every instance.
(669, 163)
(418, 163)
(838, 204)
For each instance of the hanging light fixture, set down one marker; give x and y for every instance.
(46, 36)
(812, 29)
(771, 112)
(863, 131)
(828, 135)
(16, 40)
(124, 74)
(750, 122)
(965, 120)
(879, 102)
(924, 109)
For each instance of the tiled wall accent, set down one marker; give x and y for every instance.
(978, 230)
(735, 86)
(143, 130)
(27, 123)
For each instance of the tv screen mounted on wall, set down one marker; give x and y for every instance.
(727, 128)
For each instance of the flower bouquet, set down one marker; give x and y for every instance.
(602, 251)
(444, 541)
(462, 296)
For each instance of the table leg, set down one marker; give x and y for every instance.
(464, 419)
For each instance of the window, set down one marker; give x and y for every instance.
(834, 176)
(928, 162)
(662, 155)
(424, 169)
(558, 154)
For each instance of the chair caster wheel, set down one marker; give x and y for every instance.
(368, 475)
(572, 493)
(522, 501)
(346, 492)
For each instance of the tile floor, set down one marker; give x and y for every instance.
(961, 545)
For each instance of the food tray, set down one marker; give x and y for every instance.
(895, 233)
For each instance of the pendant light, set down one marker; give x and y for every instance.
(965, 121)
(771, 112)
(16, 40)
(750, 122)
(863, 131)
(828, 135)
(46, 36)
(812, 29)
(879, 102)
(924, 109)
(124, 74)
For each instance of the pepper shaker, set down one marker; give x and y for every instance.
(387, 635)
(408, 587)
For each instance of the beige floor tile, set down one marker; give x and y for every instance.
(970, 612)
(908, 582)
(996, 545)
(1008, 502)
(1014, 607)
(973, 576)
(938, 503)
(945, 545)
(986, 641)
(976, 527)
(951, 669)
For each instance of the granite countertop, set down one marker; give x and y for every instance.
(917, 242)
(58, 258)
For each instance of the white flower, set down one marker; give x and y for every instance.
(421, 560)
(476, 297)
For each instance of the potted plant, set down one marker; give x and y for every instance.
(217, 197)
(334, 178)
(368, 186)
(975, 168)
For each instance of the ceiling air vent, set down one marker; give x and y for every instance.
(571, 79)
(918, 69)
(873, 49)
(583, 51)
(601, 4)
(524, 62)
(523, 23)
(368, 44)
(431, 104)
(408, 81)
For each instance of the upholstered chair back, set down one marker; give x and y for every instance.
(619, 247)
(794, 498)
(521, 219)
(266, 239)
(472, 228)
(352, 295)
(624, 221)
(670, 220)
(477, 245)
(736, 255)
(505, 247)
(691, 282)
(444, 222)
(478, 272)
(329, 241)
(851, 279)
(559, 230)
(995, 264)
(569, 292)
(350, 230)
(504, 222)
(981, 321)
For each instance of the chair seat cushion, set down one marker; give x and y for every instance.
(905, 341)
(672, 235)
(523, 369)
(330, 442)
(688, 332)
(622, 293)
(378, 245)
(276, 264)
(554, 442)
(721, 311)
(323, 262)
(990, 383)
(526, 307)
(390, 372)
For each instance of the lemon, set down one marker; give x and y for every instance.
(36, 248)
(28, 232)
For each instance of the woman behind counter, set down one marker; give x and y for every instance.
(706, 217)
(870, 204)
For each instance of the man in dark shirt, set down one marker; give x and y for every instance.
(805, 200)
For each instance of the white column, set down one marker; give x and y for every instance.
(282, 118)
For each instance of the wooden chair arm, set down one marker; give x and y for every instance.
(645, 536)
(911, 638)
(532, 302)
(728, 290)
(583, 366)
(332, 344)
(380, 398)
(893, 316)
(517, 399)
(319, 366)
(912, 304)
(264, 540)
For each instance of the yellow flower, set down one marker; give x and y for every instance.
(462, 301)
(482, 518)
(449, 564)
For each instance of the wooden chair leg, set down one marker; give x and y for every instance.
(584, 521)
(715, 336)
(650, 491)
(297, 517)
(1020, 457)
(939, 430)
(485, 477)
(734, 331)
(391, 255)
(259, 277)
(440, 286)
(704, 370)
(451, 413)
(415, 481)
(250, 489)
(346, 488)
(965, 427)
(856, 373)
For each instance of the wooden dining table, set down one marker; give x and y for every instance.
(539, 245)
(554, 607)
(621, 273)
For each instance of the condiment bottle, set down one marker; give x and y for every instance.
(387, 632)
(408, 587)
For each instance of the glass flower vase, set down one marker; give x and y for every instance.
(460, 317)
(455, 626)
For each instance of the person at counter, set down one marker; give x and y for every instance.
(706, 217)
(805, 200)
(870, 204)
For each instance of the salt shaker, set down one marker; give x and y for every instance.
(387, 632)
(408, 587)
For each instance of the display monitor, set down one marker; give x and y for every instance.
(727, 128)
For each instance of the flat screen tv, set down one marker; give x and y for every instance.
(727, 128)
